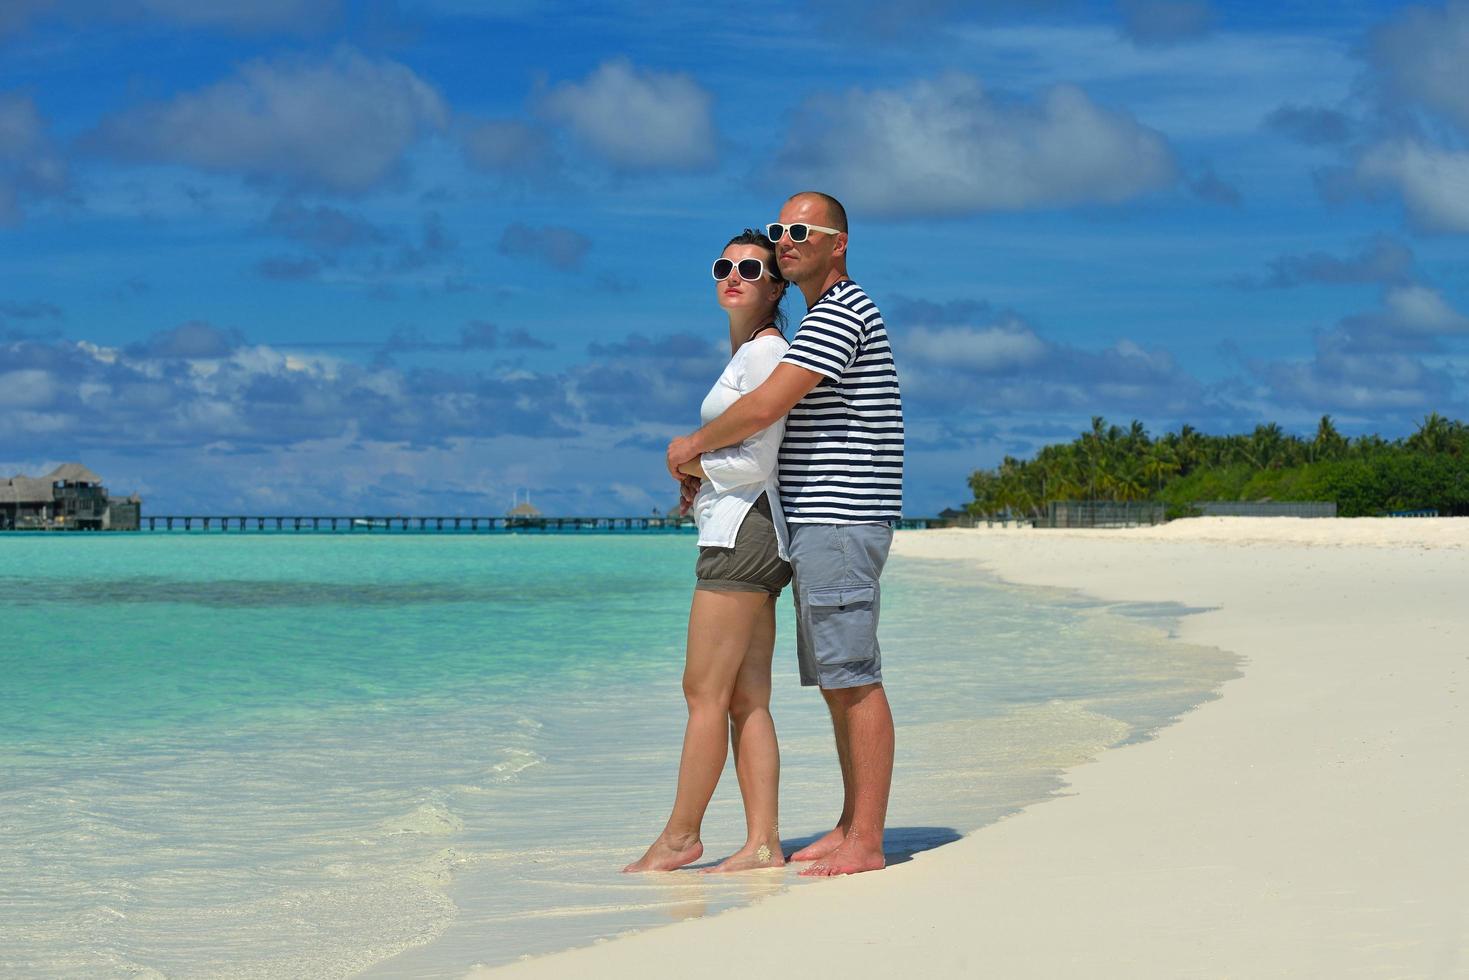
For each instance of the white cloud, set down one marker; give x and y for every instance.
(1433, 182)
(339, 124)
(1421, 309)
(1005, 345)
(1166, 84)
(556, 245)
(1383, 259)
(20, 126)
(1166, 21)
(1001, 364)
(1423, 57)
(23, 389)
(1341, 377)
(508, 146)
(944, 146)
(30, 167)
(638, 119)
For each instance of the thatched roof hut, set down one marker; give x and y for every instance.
(73, 473)
(21, 489)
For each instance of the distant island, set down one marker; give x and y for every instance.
(1427, 471)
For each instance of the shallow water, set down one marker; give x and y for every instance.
(327, 755)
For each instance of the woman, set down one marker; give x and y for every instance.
(741, 569)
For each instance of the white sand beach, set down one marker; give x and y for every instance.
(1308, 823)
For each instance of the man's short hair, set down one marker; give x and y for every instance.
(835, 213)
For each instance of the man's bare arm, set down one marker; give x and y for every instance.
(757, 410)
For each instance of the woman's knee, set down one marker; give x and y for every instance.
(745, 701)
(702, 694)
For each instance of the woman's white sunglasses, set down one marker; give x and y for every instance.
(799, 231)
(750, 270)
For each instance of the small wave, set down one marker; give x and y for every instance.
(516, 761)
(428, 818)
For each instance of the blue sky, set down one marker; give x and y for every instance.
(292, 256)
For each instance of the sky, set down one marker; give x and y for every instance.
(330, 256)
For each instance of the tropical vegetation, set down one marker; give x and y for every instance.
(1363, 475)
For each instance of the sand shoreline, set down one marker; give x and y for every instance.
(1308, 823)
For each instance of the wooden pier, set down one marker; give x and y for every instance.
(400, 524)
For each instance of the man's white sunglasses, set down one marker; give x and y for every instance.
(799, 231)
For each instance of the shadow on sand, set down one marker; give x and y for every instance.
(899, 843)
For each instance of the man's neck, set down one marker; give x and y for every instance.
(814, 289)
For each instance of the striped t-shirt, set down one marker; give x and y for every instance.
(841, 461)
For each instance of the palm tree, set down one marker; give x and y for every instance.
(984, 485)
(1159, 464)
(1435, 435)
(1267, 446)
(1137, 436)
(1368, 445)
(1328, 443)
(1127, 480)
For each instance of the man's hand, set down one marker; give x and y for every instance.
(680, 451)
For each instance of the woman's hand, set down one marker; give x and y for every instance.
(688, 489)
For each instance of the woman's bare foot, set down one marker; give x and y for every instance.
(668, 853)
(751, 857)
(820, 848)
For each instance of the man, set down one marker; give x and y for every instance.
(841, 479)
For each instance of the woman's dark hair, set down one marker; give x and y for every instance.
(751, 236)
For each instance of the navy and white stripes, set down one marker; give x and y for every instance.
(841, 461)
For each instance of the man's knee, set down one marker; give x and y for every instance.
(847, 697)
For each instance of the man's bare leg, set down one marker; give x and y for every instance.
(756, 752)
(868, 724)
(832, 839)
(720, 628)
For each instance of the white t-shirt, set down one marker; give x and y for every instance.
(737, 475)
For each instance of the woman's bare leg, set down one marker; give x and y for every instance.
(757, 753)
(720, 627)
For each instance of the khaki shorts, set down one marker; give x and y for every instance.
(752, 565)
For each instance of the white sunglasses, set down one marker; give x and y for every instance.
(799, 231)
(750, 270)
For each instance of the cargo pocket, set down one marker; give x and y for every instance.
(843, 623)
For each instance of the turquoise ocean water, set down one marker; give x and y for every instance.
(331, 755)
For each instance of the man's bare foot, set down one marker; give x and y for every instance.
(751, 857)
(818, 849)
(667, 853)
(854, 856)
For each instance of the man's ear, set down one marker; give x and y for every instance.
(840, 246)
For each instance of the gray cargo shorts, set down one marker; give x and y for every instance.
(837, 567)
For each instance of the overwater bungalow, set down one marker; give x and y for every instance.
(70, 497)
